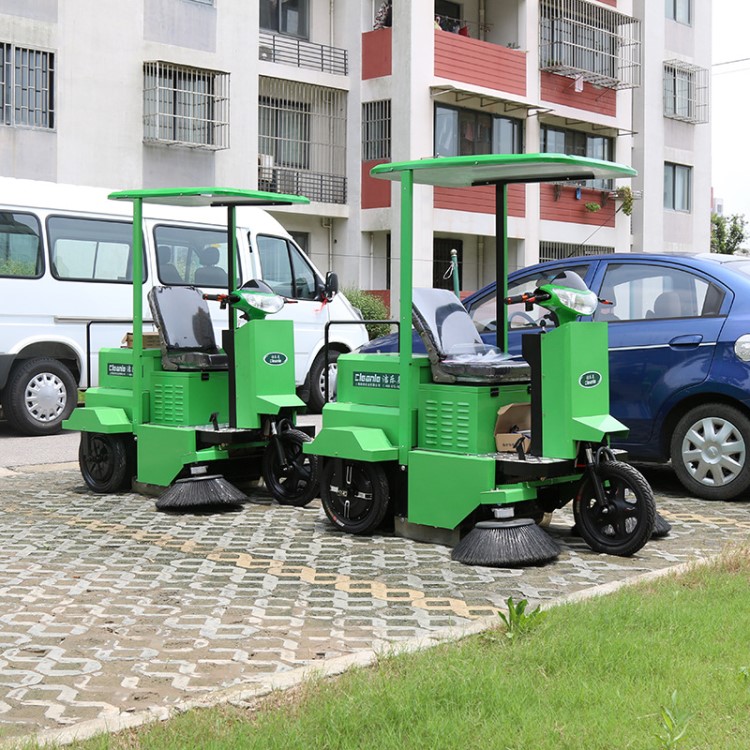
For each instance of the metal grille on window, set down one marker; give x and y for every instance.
(376, 130)
(302, 140)
(685, 92)
(560, 250)
(589, 42)
(185, 106)
(27, 86)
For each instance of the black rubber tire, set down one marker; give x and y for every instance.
(316, 401)
(105, 461)
(300, 483)
(355, 494)
(630, 511)
(720, 469)
(39, 395)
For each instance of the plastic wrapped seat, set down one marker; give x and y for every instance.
(456, 351)
(185, 329)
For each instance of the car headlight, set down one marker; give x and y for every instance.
(584, 303)
(742, 348)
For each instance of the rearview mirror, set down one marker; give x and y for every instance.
(332, 284)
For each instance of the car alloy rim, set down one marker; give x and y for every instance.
(45, 397)
(713, 452)
(332, 374)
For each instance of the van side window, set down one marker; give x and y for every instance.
(186, 256)
(285, 269)
(20, 245)
(91, 249)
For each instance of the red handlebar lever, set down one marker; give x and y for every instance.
(528, 297)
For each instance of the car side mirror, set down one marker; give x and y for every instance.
(332, 284)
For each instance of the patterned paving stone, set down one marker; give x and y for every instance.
(109, 606)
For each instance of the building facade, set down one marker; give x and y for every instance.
(304, 96)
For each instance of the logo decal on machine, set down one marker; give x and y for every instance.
(275, 358)
(121, 370)
(590, 379)
(376, 380)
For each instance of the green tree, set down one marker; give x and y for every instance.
(727, 233)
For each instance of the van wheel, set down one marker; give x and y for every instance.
(39, 395)
(317, 380)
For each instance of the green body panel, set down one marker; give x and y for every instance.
(507, 494)
(105, 419)
(188, 398)
(445, 488)
(460, 418)
(264, 350)
(164, 450)
(355, 443)
(575, 388)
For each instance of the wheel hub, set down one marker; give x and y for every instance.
(45, 397)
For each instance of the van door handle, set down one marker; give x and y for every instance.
(688, 341)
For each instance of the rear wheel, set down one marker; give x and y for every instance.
(39, 395)
(709, 452)
(295, 479)
(317, 379)
(623, 523)
(105, 461)
(355, 494)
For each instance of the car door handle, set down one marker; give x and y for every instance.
(688, 341)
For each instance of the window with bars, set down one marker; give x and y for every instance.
(467, 132)
(185, 106)
(27, 92)
(302, 139)
(578, 143)
(685, 92)
(560, 250)
(376, 130)
(588, 41)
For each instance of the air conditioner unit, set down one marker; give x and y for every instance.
(265, 53)
(265, 167)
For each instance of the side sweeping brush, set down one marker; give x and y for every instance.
(662, 527)
(506, 544)
(200, 490)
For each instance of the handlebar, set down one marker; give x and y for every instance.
(528, 297)
(223, 299)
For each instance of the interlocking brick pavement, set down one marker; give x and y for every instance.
(109, 607)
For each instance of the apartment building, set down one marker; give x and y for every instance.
(304, 96)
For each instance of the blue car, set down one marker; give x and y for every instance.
(679, 344)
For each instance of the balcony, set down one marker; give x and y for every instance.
(287, 50)
(377, 53)
(323, 188)
(590, 44)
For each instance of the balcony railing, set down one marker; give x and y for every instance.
(324, 188)
(287, 50)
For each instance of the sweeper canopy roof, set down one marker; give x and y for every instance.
(208, 196)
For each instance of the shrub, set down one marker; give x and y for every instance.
(372, 308)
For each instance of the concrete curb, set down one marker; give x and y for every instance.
(246, 693)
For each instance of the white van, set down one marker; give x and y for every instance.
(65, 275)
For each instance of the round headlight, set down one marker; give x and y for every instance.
(742, 347)
(269, 303)
(584, 303)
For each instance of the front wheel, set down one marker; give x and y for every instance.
(709, 451)
(105, 461)
(355, 494)
(623, 523)
(291, 478)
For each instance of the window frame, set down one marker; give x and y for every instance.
(456, 114)
(267, 22)
(671, 187)
(292, 252)
(580, 143)
(39, 265)
(41, 114)
(679, 11)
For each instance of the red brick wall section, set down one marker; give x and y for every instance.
(480, 199)
(377, 53)
(467, 60)
(375, 193)
(567, 208)
(561, 90)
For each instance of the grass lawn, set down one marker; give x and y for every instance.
(590, 675)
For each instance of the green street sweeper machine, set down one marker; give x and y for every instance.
(183, 417)
(438, 442)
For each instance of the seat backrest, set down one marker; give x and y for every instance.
(183, 319)
(443, 322)
(209, 274)
(168, 273)
(668, 305)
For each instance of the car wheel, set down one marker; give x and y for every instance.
(40, 394)
(317, 380)
(709, 451)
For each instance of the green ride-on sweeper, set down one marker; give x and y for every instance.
(181, 417)
(471, 447)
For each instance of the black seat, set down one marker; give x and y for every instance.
(185, 329)
(168, 273)
(208, 273)
(456, 351)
